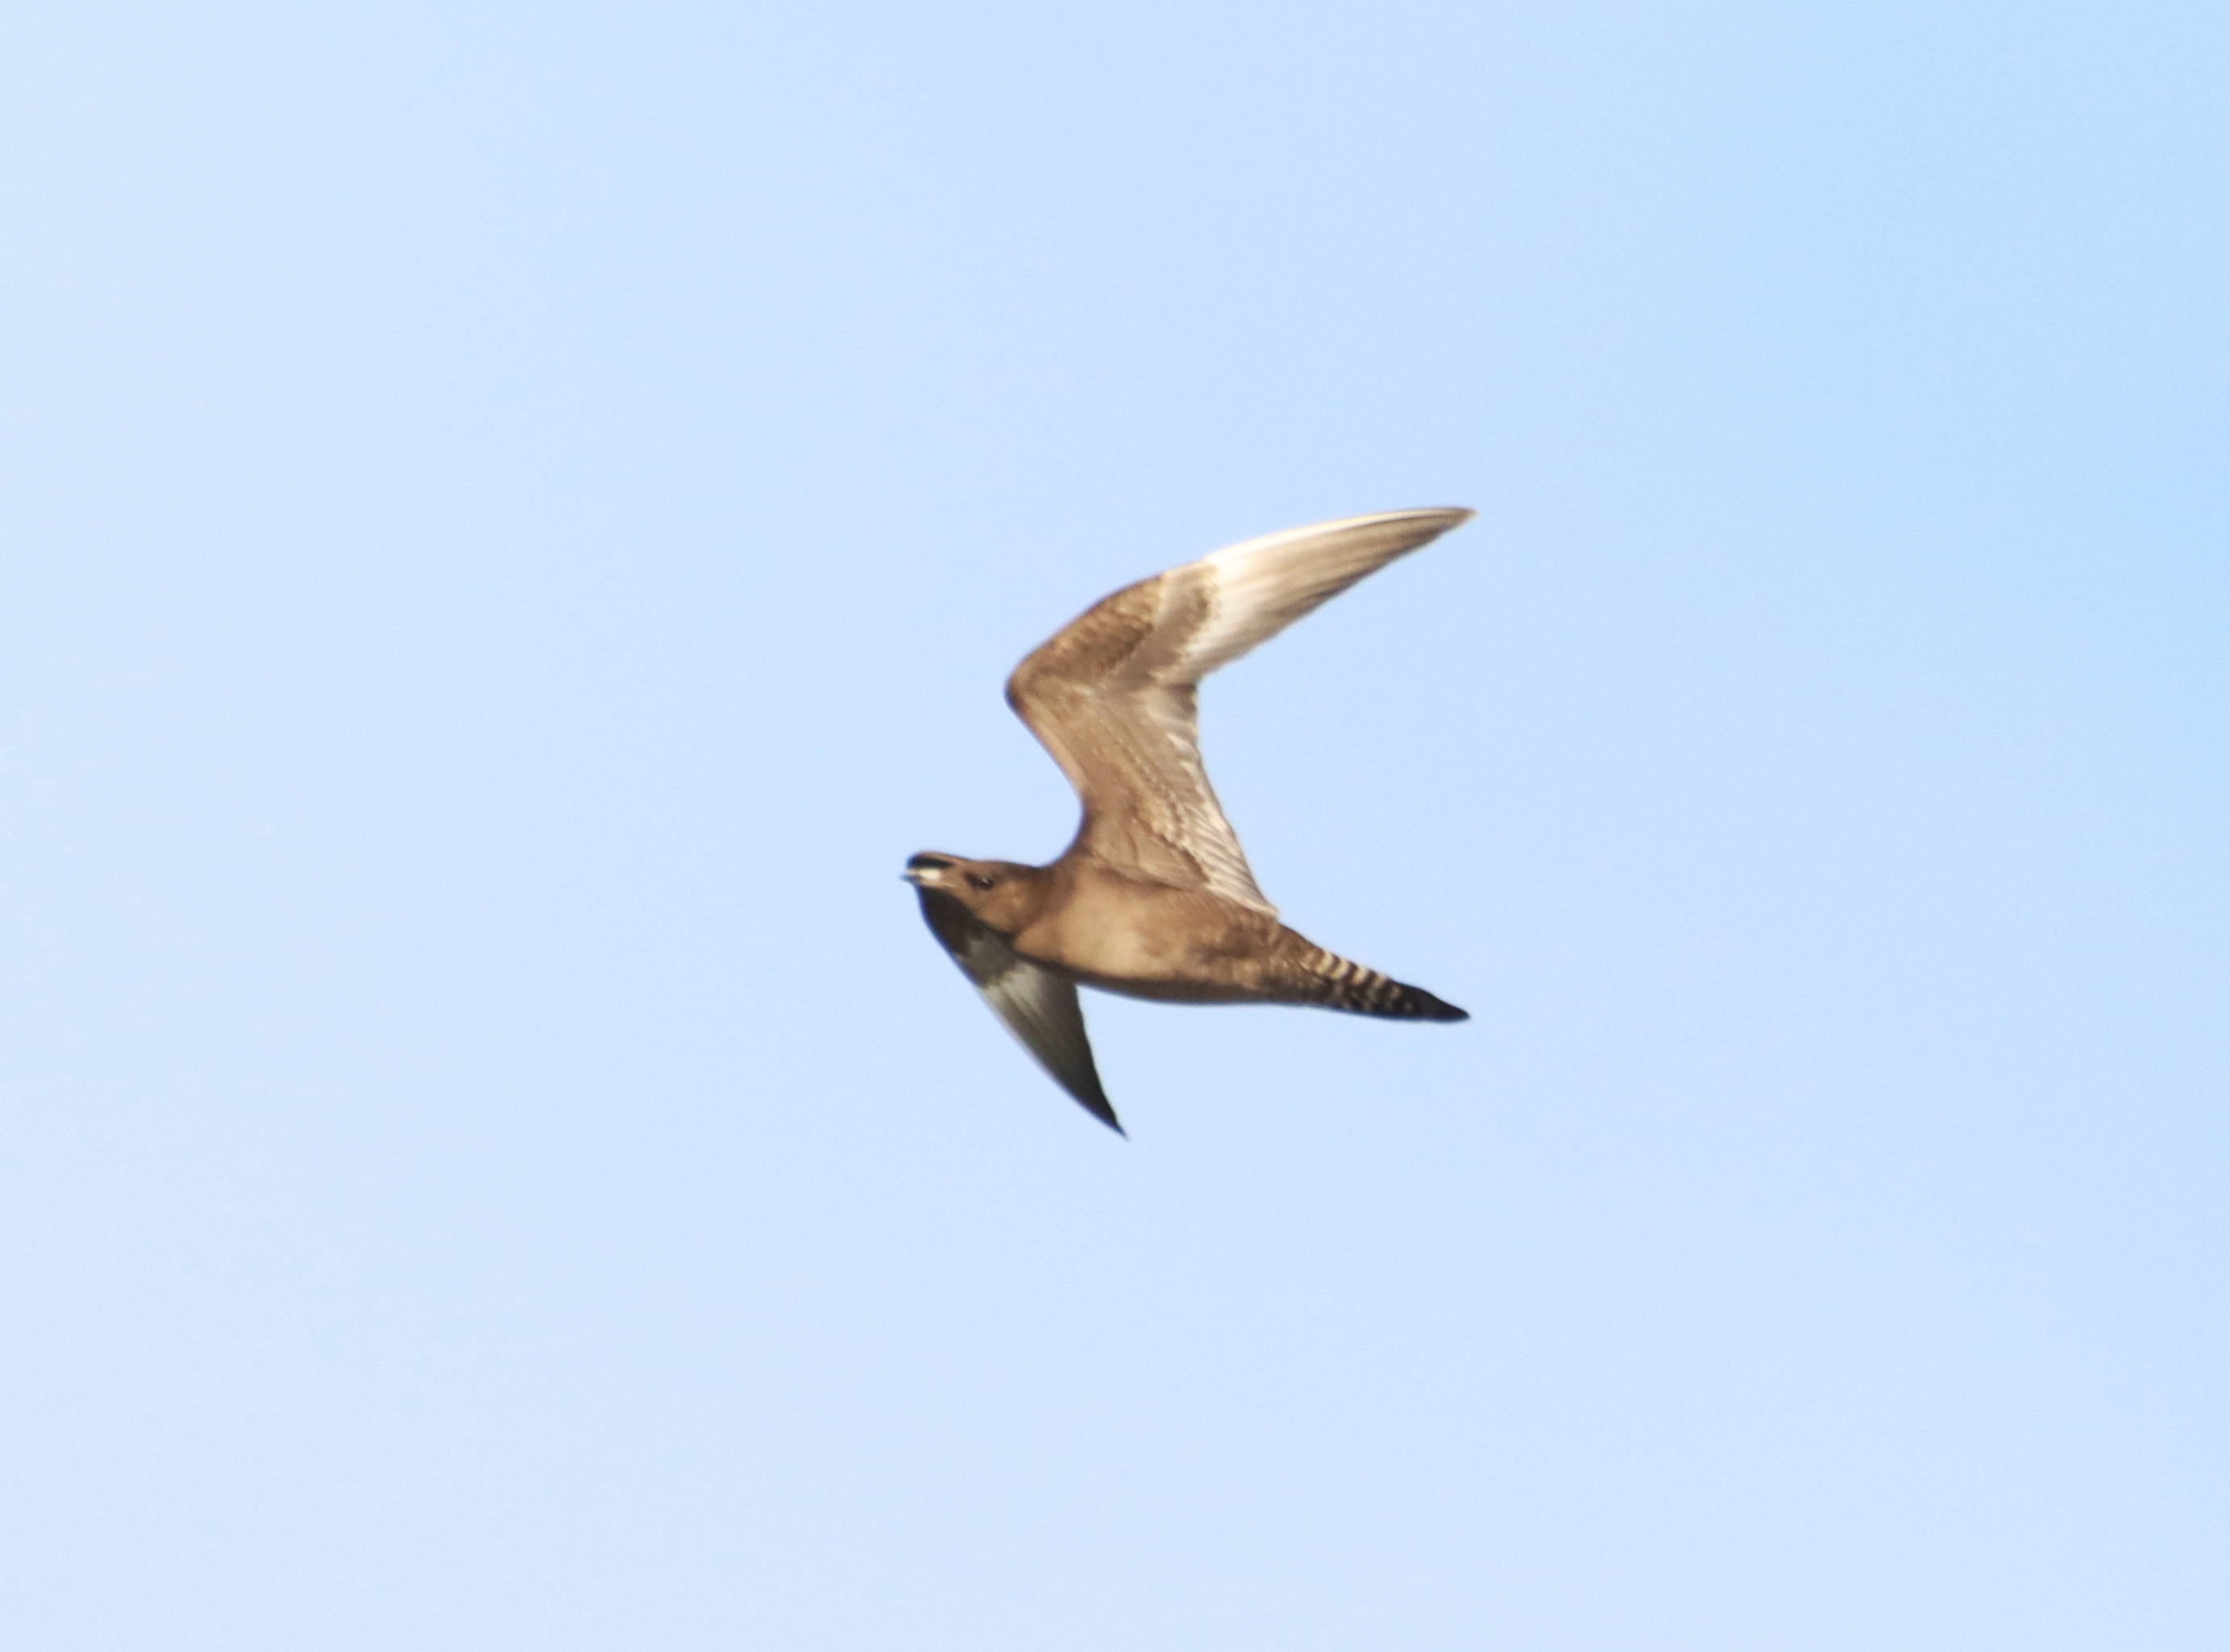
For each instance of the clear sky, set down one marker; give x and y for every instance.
(514, 521)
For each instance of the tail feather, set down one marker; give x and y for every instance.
(1337, 983)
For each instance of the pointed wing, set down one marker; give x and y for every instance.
(1112, 696)
(1038, 1007)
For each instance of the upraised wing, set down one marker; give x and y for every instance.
(1038, 1007)
(1113, 694)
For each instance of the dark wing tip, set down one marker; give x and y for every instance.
(1036, 1006)
(1094, 1101)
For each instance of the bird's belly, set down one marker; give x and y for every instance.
(1177, 990)
(1185, 947)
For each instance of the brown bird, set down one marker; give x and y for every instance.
(1153, 898)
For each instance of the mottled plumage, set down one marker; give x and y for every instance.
(1154, 898)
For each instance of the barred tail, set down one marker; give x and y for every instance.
(1338, 983)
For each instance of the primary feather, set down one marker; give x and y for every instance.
(1113, 694)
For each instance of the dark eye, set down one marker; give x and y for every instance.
(977, 881)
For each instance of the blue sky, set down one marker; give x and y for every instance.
(517, 520)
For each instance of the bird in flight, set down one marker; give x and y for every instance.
(1153, 898)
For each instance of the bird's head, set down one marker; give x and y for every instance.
(999, 893)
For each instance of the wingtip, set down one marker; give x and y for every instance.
(1449, 516)
(1422, 524)
(1443, 518)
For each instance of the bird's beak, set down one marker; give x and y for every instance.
(920, 868)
